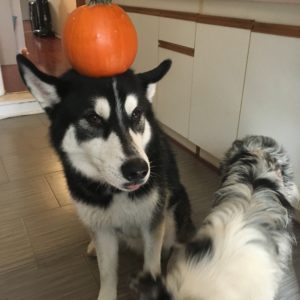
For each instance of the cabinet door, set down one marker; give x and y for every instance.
(271, 102)
(174, 92)
(147, 30)
(176, 31)
(219, 70)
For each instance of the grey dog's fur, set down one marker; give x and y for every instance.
(244, 247)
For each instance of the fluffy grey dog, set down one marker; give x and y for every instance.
(243, 249)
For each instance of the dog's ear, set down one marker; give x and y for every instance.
(42, 86)
(150, 78)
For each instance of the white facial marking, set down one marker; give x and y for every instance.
(102, 107)
(45, 93)
(151, 91)
(96, 158)
(137, 139)
(146, 134)
(77, 156)
(131, 103)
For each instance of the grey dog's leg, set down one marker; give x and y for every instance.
(106, 243)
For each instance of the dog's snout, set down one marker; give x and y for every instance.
(135, 169)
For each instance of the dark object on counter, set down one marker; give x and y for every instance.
(40, 18)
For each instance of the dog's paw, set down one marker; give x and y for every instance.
(149, 287)
(91, 250)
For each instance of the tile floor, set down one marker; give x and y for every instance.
(42, 242)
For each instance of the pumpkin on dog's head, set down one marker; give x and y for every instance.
(99, 39)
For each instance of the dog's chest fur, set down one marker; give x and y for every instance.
(124, 215)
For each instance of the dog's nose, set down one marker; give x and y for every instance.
(135, 169)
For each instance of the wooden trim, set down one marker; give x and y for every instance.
(225, 21)
(141, 10)
(277, 29)
(177, 48)
(161, 12)
(268, 28)
(178, 15)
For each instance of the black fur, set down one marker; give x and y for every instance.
(150, 288)
(199, 248)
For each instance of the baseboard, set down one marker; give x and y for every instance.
(201, 154)
(17, 108)
(215, 162)
(178, 138)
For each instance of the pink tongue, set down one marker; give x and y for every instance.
(133, 186)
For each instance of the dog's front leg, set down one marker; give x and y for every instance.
(153, 241)
(106, 243)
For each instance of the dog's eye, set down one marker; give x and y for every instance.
(94, 119)
(136, 115)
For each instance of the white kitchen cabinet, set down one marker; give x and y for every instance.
(147, 30)
(219, 71)
(147, 56)
(271, 102)
(180, 32)
(174, 92)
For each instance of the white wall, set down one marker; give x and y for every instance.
(25, 9)
(8, 48)
(19, 30)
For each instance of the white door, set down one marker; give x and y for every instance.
(147, 30)
(219, 70)
(147, 55)
(174, 92)
(271, 104)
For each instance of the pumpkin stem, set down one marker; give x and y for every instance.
(94, 2)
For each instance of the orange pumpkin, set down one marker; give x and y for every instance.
(99, 39)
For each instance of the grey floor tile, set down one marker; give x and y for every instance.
(43, 117)
(32, 121)
(24, 197)
(3, 174)
(15, 250)
(59, 187)
(56, 233)
(22, 140)
(68, 279)
(29, 164)
(13, 142)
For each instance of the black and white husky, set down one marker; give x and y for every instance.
(243, 249)
(119, 167)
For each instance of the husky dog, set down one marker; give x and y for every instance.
(243, 249)
(119, 167)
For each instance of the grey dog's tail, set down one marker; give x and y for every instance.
(273, 153)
